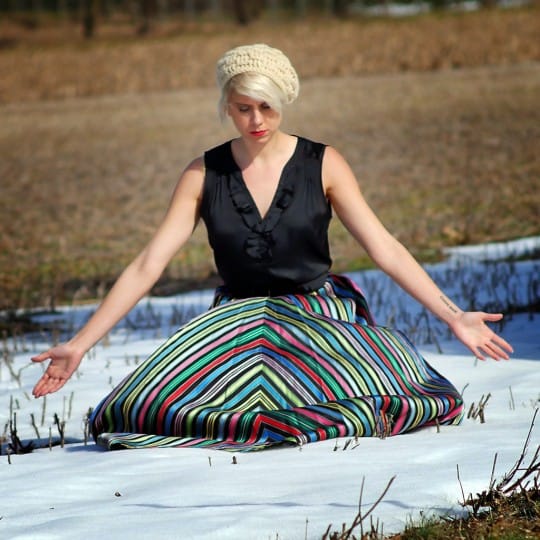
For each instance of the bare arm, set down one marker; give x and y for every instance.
(134, 282)
(395, 260)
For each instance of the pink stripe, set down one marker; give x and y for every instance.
(235, 417)
(322, 420)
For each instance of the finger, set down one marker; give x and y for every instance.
(38, 390)
(478, 353)
(492, 317)
(494, 352)
(502, 343)
(499, 351)
(55, 385)
(497, 347)
(41, 388)
(47, 385)
(41, 357)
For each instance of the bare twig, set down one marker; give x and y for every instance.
(360, 518)
(514, 483)
(61, 426)
(347, 534)
(33, 420)
(43, 409)
(461, 487)
(492, 479)
(477, 411)
(383, 426)
(510, 483)
(512, 402)
(70, 404)
(15, 445)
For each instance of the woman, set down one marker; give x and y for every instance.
(288, 353)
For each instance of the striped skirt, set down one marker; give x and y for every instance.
(286, 370)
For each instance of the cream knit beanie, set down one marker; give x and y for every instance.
(259, 58)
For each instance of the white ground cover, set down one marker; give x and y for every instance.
(83, 491)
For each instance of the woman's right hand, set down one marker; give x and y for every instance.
(64, 360)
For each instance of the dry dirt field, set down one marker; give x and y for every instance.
(439, 117)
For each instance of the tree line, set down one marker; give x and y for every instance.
(146, 12)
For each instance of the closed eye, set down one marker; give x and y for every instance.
(246, 108)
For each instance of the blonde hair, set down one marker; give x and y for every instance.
(254, 85)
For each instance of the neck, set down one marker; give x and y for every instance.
(249, 150)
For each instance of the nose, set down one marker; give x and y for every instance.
(256, 117)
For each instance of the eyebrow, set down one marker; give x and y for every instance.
(245, 104)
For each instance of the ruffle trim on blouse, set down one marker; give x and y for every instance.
(259, 243)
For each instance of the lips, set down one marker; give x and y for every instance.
(260, 133)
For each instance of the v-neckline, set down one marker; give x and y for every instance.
(279, 185)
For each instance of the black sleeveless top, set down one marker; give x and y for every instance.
(284, 252)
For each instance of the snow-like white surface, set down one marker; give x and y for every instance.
(82, 491)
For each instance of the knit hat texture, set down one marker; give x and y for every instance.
(259, 58)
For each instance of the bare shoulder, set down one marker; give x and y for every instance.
(196, 165)
(332, 154)
(335, 169)
(194, 170)
(191, 180)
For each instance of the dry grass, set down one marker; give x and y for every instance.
(54, 61)
(508, 509)
(444, 157)
(506, 522)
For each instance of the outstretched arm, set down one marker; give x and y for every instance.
(134, 282)
(395, 260)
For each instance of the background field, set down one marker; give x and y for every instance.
(438, 115)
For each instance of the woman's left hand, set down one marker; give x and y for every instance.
(471, 329)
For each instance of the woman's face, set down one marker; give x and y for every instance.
(254, 119)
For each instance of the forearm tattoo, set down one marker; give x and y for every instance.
(449, 304)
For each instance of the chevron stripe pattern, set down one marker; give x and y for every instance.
(287, 370)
